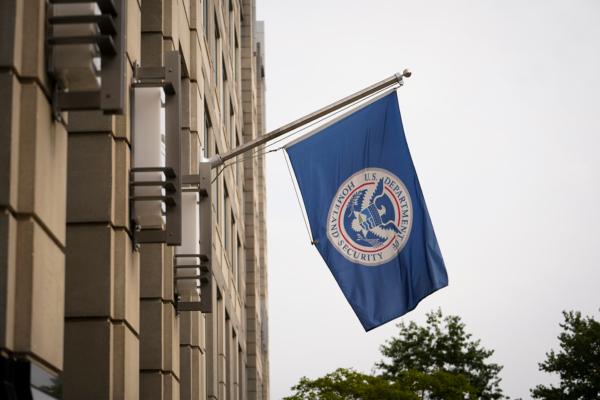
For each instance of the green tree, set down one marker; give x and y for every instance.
(437, 361)
(442, 346)
(347, 384)
(577, 363)
(436, 385)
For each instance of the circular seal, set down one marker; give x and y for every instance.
(370, 217)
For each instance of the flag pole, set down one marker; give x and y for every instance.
(397, 78)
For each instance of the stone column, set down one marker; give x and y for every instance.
(33, 159)
(102, 270)
(159, 336)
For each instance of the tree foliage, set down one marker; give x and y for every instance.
(436, 361)
(442, 345)
(577, 363)
(436, 385)
(347, 384)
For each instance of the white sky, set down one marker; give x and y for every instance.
(502, 116)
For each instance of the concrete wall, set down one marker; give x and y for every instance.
(77, 297)
(33, 178)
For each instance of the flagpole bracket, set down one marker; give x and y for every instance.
(213, 161)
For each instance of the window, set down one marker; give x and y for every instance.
(215, 50)
(207, 126)
(238, 263)
(231, 25)
(227, 225)
(218, 199)
(235, 377)
(239, 164)
(231, 249)
(223, 89)
(227, 378)
(241, 374)
(219, 182)
(236, 57)
(220, 348)
(234, 256)
(205, 17)
(231, 124)
(226, 121)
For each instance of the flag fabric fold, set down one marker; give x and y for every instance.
(367, 213)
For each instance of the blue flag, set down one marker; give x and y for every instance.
(367, 213)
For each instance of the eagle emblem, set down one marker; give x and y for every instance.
(369, 217)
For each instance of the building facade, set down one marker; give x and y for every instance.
(87, 309)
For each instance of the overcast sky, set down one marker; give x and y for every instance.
(502, 116)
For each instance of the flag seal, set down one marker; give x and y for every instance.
(370, 217)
